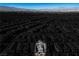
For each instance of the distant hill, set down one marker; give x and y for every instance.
(10, 9)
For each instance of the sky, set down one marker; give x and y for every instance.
(41, 5)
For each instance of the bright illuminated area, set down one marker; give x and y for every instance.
(40, 48)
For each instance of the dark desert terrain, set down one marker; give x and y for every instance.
(19, 32)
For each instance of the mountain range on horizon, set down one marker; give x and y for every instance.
(10, 9)
(6, 8)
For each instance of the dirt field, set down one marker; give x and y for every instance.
(19, 31)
